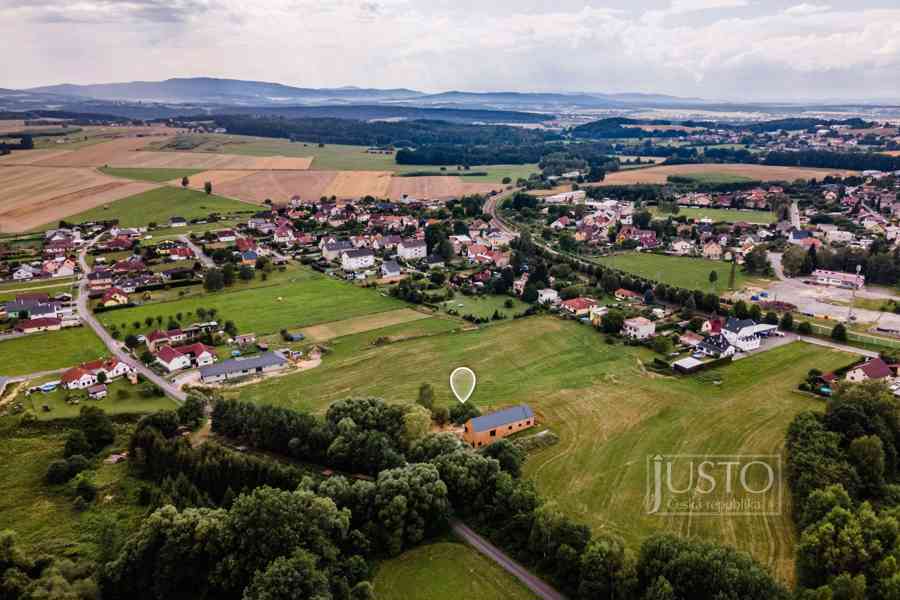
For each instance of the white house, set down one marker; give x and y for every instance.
(172, 360)
(682, 247)
(639, 328)
(412, 249)
(548, 296)
(576, 197)
(745, 334)
(355, 260)
(838, 279)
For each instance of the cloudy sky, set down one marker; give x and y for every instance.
(726, 49)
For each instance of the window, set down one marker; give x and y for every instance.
(510, 427)
(493, 433)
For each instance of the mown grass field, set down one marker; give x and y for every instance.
(686, 272)
(484, 306)
(43, 516)
(263, 310)
(157, 175)
(609, 411)
(49, 351)
(11, 290)
(159, 205)
(723, 215)
(713, 178)
(445, 570)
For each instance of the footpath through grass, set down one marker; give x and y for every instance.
(445, 571)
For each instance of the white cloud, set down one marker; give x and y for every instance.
(686, 6)
(805, 9)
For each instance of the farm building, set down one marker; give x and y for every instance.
(237, 368)
(487, 429)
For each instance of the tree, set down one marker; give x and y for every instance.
(57, 472)
(867, 455)
(839, 333)
(228, 274)
(662, 344)
(207, 187)
(756, 312)
(77, 443)
(97, 427)
(613, 321)
(804, 328)
(732, 274)
(787, 322)
(131, 341)
(426, 396)
(185, 182)
(213, 281)
(286, 578)
(191, 412)
(605, 570)
(246, 273)
(713, 278)
(508, 454)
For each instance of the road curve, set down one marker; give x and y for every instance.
(532, 582)
(91, 321)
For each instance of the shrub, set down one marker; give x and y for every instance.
(77, 464)
(85, 488)
(57, 472)
(804, 328)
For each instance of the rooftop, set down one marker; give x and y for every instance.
(502, 417)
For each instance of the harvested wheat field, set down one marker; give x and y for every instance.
(29, 157)
(198, 160)
(437, 188)
(34, 196)
(358, 184)
(216, 178)
(96, 155)
(659, 175)
(278, 186)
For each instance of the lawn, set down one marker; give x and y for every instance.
(485, 306)
(49, 351)
(263, 310)
(157, 206)
(10, 291)
(157, 175)
(609, 412)
(723, 215)
(123, 398)
(680, 271)
(43, 516)
(445, 570)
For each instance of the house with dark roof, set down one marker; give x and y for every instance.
(242, 367)
(487, 429)
(717, 346)
(746, 334)
(874, 369)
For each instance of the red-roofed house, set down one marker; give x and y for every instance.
(578, 306)
(39, 324)
(78, 379)
(623, 294)
(171, 359)
(114, 297)
(873, 369)
(200, 354)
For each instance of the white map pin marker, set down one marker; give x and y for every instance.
(462, 382)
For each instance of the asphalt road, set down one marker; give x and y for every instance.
(114, 347)
(532, 582)
(203, 258)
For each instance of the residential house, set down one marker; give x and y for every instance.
(39, 324)
(171, 359)
(623, 295)
(390, 269)
(746, 334)
(333, 250)
(487, 429)
(639, 328)
(682, 247)
(578, 306)
(716, 346)
(113, 297)
(548, 296)
(412, 249)
(356, 260)
(712, 251)
(874, 369)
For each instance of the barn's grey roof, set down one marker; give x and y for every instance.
(237, 365)
(502, 417)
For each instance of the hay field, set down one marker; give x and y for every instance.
(278, 186)
(197, 160)
(216, 177)
(29, 157)
(11, 126)
(357, 184)
(95, 155)
(33, 196)
(435, 188)
(327, 331)
(659, 175)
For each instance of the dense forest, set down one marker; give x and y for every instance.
(380, 133)
(615, 128)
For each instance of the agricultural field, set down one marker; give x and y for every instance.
(49, 351)
(43, 516)
(34, 196)
(265, 310)
(680, 271)
(724, 215)
(445, 570)
(438, 187)
(715, 173)
(159, 205)
(155, 175)
(328, 331)
(609, 412)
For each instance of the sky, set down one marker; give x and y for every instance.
(716, 49)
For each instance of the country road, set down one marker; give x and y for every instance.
(205, 260)
(114, 347)
(532, 582)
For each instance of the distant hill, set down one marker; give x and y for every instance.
(221, 91)
(516, 99)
